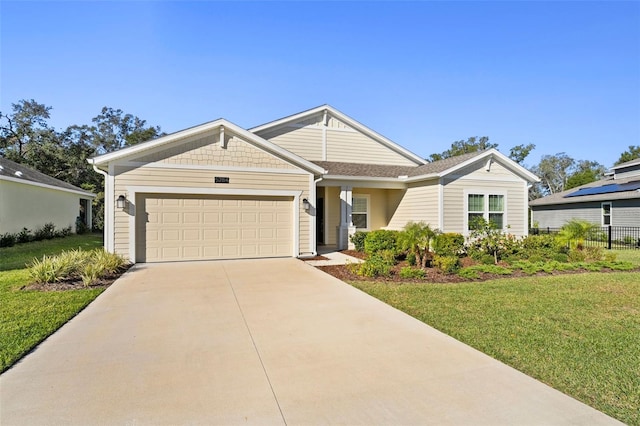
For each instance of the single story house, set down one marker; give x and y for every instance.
(614, 200)
(219, 191)
(30, 199)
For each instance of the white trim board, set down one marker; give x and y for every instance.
(46, 186)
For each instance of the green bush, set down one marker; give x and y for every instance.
(535, 258)
(358, 240)
(377, 265)
(576, 255)
(447, 264)
(448, 244)
(411, 259)
(486, 259)
(24, 236)
(469, 274)
(7, 240)
(560, 257)
(412, 273)
(45, 232)
(379, 240)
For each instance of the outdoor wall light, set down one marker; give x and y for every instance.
(121, 202)
(305, 204)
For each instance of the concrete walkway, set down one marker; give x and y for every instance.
(264, 342)
(334, 258)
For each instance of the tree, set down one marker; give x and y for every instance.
(553, 171)
(631, 154)
(23, 129)
(415, 238)
(472, 144)
(585, 172)
(113, 130)
(574, 232)
(519, 152)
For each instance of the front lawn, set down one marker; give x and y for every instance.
(579, 333)
(28, 317)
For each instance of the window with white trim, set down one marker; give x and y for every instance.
(360, 212)
(606, 214)
(490, 207)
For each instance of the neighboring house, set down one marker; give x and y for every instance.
(614, 200)
(30, 199)
(218, 191)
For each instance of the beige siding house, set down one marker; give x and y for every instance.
(217, 191)
(30, 199)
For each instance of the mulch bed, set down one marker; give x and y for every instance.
(318, 257)
(77, 284)
(434, 275)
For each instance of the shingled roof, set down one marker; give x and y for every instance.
(384, 171)
(18, 172)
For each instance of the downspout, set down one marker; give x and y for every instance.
(105, 224)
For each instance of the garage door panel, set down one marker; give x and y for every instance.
(183, 227)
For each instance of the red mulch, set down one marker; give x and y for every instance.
(77, 284)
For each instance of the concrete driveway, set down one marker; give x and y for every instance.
(264, 342)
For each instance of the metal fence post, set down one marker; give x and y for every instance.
(609, 238)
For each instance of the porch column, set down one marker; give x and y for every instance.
(346, 228)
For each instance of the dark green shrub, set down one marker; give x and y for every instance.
(486, 259)
(81, 227)
(64, 232)
(447, 264)
(46, 232)
(358, 240)
(7, 240)
(412, 273)
(24, 236)
(379, 240)
(411, 259)
(448, 244)
(560, 257)
(535, 258)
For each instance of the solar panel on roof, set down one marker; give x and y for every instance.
(606, 189)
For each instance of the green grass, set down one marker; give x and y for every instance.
(17, 256)
(579, 333)
(28, 317)
(632, 256)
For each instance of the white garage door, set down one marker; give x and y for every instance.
(183, 227)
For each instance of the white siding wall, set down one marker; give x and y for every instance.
(350, 146)
(28, 206)
(419, 203)
(498, 180)
(305, 142)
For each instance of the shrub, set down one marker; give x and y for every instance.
(50, 269)
(576, 255)
(448, 244)
(74, 264)
(24, 236)
(487, 259)
(46, 232)
(560, 257)
(412, 273)
(376, 265)
(593, 254)
(90, 273)
(358, 240)
(379, 240)
(447, 264)
(469, 273)
(81, 227)
(575, 231)
(411, 259)
(108, 262)
(535, 258)
(64, 232)
(416, 238)
(7, 240)
(610, 257)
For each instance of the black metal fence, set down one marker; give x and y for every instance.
(611, 237)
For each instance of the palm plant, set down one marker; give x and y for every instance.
(574, 232)
(416, 238)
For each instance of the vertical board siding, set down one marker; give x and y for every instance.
(149, 176)
(420, 202)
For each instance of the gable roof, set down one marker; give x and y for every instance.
(431, 170)
(203, 129)
(15, 172)
(563, 197)
(347, 120)
(626, 164)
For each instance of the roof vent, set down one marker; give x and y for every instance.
(18, 173)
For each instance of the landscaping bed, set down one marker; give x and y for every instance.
(76, 283)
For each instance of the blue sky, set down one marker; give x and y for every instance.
(562, 75)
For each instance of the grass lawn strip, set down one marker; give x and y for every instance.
(29, 317)
(578, 333)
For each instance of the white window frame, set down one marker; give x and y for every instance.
(367, 197)
(602, 215)
(485, 214)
